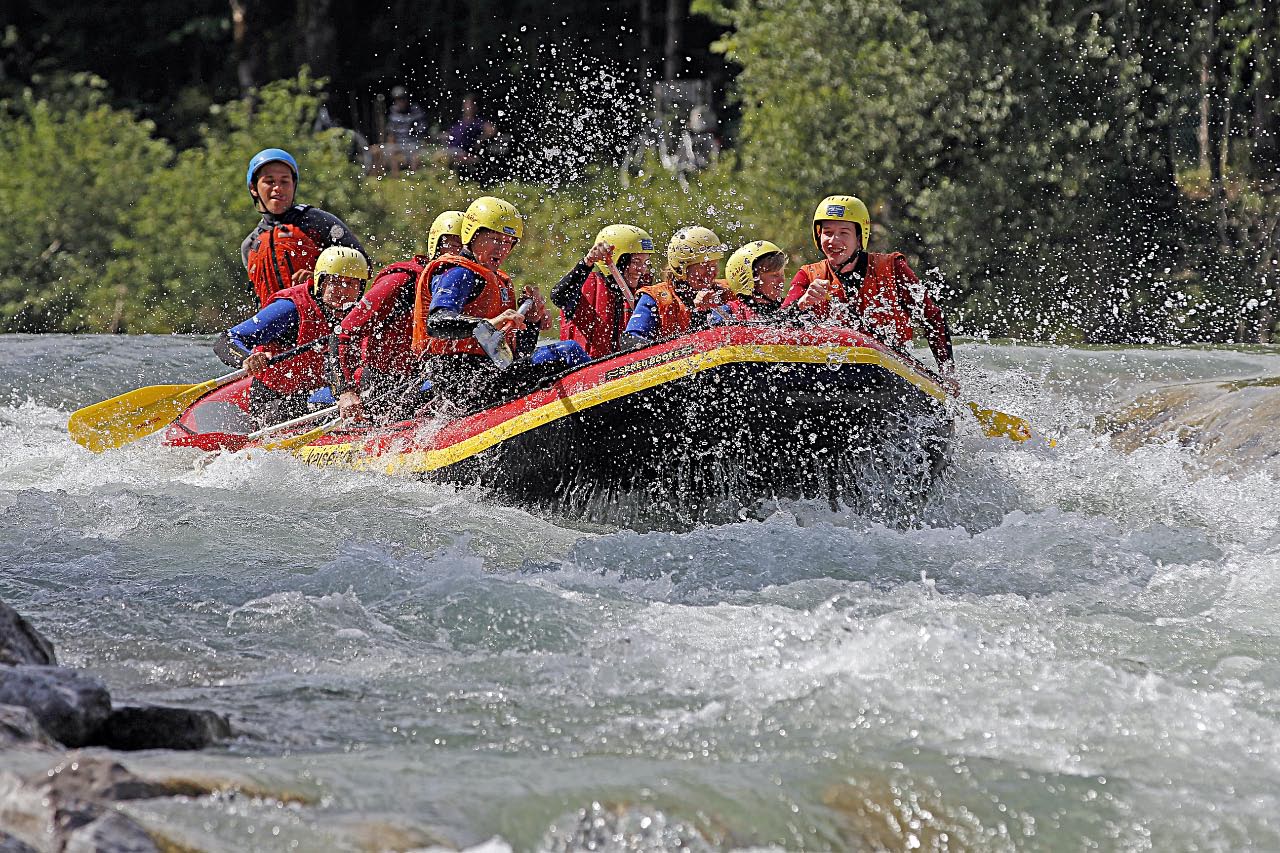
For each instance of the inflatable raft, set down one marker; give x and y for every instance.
(699, 428)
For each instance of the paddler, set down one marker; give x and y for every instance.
(465, 293)
(282, 249)
(875, 292)
(755, 275)
(594, 304)
(373, 354)
(688, 289)
(297, 315)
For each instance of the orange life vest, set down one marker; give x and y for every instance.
(279, 253)
(496, 295)
(674, 316)
(878, 304)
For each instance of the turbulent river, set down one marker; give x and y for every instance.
(1077, 649)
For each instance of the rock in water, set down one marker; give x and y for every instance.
(70, 705)
(1232, 425)
(20, 642)
(19, 727)
(111, 833)
(158, 727)
(9, 844)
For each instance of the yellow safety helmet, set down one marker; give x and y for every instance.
(626, 240)
(692, 245)
(342, 261)
(449, 222)
(842, 208)
(494, 214)
(739, 272)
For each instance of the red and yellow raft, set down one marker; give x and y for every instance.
(705, 425)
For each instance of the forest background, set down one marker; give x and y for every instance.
(1090, 171)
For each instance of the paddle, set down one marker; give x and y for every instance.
(302, 438)
(627, 295)
(138, 413)
(494, 343)
(997, 424)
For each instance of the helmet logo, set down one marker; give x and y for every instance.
(835, 210)
(507, 229)
(336, 232)
(646, 245)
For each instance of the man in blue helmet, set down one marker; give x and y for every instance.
(282, 249)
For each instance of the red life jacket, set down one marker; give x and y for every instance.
(674, 316)
(280, 252)
(305, 371)
(878, 301)
(599, 319)
(738, 310)
(496, 295)
(389, 349)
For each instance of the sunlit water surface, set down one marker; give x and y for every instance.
(1078, 650)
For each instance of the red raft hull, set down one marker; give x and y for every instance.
(698, 428)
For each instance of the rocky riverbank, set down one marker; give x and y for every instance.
(46, 709)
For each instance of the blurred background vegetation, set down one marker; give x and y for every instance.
(1101, 171)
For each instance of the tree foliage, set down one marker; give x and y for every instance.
(1029, 149)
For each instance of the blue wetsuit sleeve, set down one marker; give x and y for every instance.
(454, 289)
(451, 291)
(644, 319)
(278, 320)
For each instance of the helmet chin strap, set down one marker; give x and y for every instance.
(848, 264)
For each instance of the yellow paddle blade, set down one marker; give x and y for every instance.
(133, 415)
(997, 424)
(302, 439)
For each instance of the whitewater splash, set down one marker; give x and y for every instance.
(1070, 648)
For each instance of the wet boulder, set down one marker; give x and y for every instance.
(20, 643)
(111, 833)
(1230, 425)
(159, 727)
(69, 705)
(78, 776)
(38, 815)
(9, 844)
(19, 727)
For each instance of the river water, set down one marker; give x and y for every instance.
(1077, 650)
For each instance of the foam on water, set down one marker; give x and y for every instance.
(1075, 647)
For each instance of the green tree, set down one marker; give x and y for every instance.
(176, 264)
(71, 178)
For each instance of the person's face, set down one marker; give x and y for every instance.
(700, 275)
(341, 291)
(637, 273)
(448, 244)
(838, 240)
(468, 108)
(491, 248)
(769, 284)
(275, 187)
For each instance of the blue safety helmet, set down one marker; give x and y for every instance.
(270, 155)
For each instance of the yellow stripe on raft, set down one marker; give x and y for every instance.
(421, 461)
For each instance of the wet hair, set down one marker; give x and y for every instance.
(772, 262)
